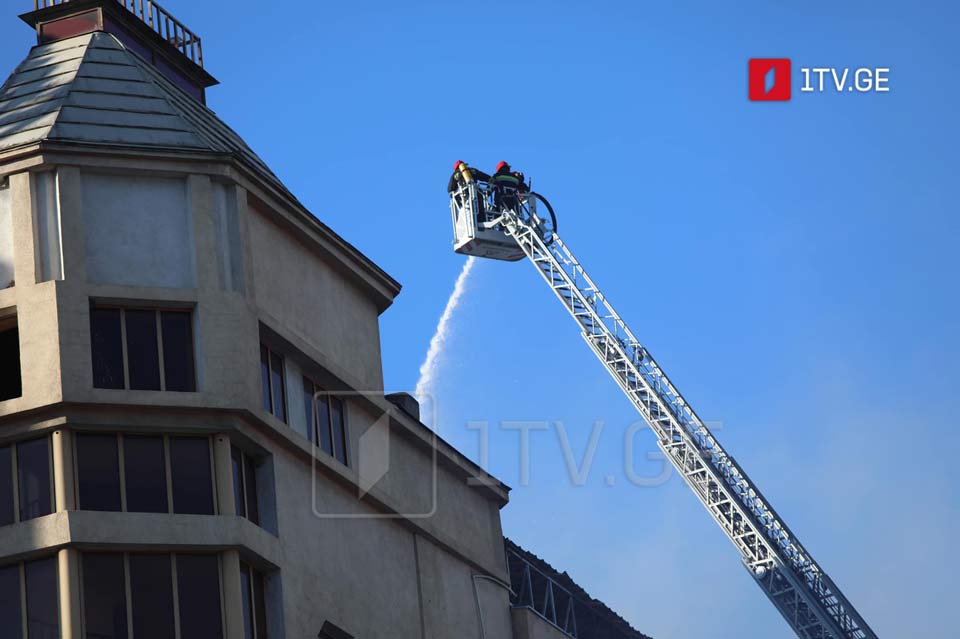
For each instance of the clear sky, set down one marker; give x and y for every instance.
(793, 266)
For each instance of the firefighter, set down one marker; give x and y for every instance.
(462, 175)
(506, 183)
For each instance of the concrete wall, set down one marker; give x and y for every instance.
(312, 300)
(150, 238)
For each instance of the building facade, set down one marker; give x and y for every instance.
(194, 438)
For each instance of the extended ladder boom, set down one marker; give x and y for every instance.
(803, 593)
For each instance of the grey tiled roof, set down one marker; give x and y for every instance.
(91, 89)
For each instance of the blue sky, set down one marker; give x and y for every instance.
(791, 265)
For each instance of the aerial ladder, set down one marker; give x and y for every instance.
(491, 222)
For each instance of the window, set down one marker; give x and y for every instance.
(10, 384)
(192, 475)
(272, 383)
(325, 413)
(28, 593)
(144, 473)
(40, 579)
(142, 349)
(98, 472)
(25, 481)
(11, 613)
(198, 593)
(104, 596)
(137, 591)
(145, 467)
(245, 485)
(151, 590)
(254, 606)
(35, 487)
(7, 509)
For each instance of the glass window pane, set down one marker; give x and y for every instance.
(42, 613)
(276, 385)
(323, 423)
(33, 470)
(151, 591)
(260, 605)
(192, 478)
(198, 583)
(98, 472)
(339, 432)
(246, 593)
(250, 477)
(104, 596)
(107, 348)
(146, 474)
(178, 352)
(308, 410)
(265, 378)
(10, 619)
(143, 358)
(10, 383)
(236, 460)
(6, 487)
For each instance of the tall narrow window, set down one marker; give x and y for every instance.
(273, 383)
(104, 596)
(198, 590)
(43, 619)
(11, 619)
(143, 354)
(142, 349)
(98, 472)
(245, 485)
(145, 470)
(178, 366)
(328, 428)
(10, 380)
(151, 590)
(7, 513)
(106, 342)
(33, 477)
(192, 476)
(254, 608)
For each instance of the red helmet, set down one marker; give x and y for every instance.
(503, 165)
(456, 165)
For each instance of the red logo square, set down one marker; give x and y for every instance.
(769, 79)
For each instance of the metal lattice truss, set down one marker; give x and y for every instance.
(802, 592)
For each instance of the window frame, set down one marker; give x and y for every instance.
(158, 312)
(168, 467)
(247, 465)
(21, 568)
(174, 587)
(268, 382)
(314, 420)
(15, 479)
(256, 603)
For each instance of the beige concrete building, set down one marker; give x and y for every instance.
(194, 439)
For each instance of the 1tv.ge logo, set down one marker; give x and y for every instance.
(769, 79)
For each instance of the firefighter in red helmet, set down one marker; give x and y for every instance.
(506, 184)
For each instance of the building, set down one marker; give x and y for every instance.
(191, 383)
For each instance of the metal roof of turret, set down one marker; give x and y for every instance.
(93, 90)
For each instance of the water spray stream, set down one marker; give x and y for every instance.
(431, 364)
